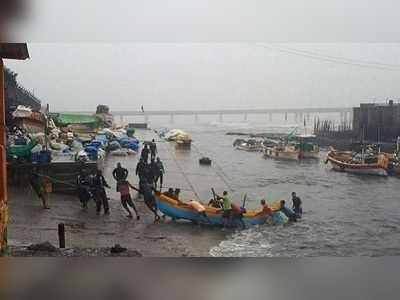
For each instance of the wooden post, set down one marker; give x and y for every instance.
(61, 235)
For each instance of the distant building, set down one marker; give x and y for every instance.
(377, 122)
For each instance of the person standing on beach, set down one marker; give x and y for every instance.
(149, 198)
(83, 189)
(158, 173)
(145, 153)
(39, 186)
(153, 150)
(100, 184)
(120, 174)
(141, 168)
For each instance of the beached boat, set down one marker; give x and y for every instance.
(183, 210)
(358, 164)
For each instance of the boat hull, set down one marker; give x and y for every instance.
(174, 210)
(249, 149)
(310, 155)
(365, 169)
(278, 154)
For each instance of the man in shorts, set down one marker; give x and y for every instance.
(126, 199)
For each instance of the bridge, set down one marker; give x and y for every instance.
(298, 113)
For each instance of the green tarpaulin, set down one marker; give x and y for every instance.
(67, 119)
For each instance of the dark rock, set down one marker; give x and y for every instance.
(118, 249)
(43, 247)
(205, 161)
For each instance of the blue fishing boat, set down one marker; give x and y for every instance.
(177, 209)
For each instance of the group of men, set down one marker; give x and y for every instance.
(292, 214)
(150, 172)
(93, 186)
(149, 175)
(232, 211)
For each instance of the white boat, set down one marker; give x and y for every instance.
(249, 147)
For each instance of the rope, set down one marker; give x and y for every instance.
(56, 180)
(223, 176)
(183, 173)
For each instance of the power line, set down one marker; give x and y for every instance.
(332, 59)
(351, 60)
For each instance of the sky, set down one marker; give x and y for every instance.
(219, 54)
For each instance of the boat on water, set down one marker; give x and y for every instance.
(295, 148)
(364, 163)
(394, 164)
(213, 216)
(282, 151)
(251, 145)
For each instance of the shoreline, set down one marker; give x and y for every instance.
(30, 224)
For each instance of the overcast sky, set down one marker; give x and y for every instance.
(210, 54)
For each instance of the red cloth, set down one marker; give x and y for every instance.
(267, 210)
(123, 188)
(236, 209)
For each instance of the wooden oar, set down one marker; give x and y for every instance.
(214, 194)
(244, 200)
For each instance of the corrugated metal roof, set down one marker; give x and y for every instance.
(14, 51)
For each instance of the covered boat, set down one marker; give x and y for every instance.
(213, 216)
(359, 164)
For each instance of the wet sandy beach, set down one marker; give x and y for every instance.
(29, 223)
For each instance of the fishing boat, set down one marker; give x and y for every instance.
(359, 163)
(294, 148)
(307, 146)
(251, 145)
(282, 151)
(213, 216)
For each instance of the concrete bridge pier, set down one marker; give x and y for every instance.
(171, 118)
(245, 117)
(221, 118)
(341, 117)
(196, 118)
(286, 116)
(270, 117)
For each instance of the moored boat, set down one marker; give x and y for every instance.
(213, 216)
(307, 146)
(347, 162)
(282, 152)
(251, 145)
(300, 147)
